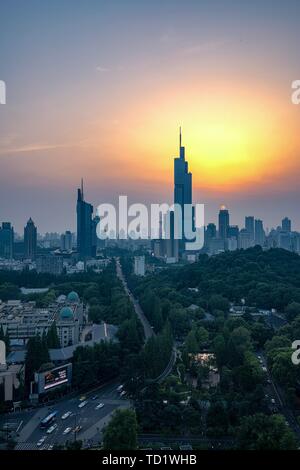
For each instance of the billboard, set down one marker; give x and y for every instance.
(55, 377)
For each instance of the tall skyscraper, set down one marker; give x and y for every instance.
(84, 225)
(259, 233)
(249, 226)
(182, 184)
(66, 241)
(30, 240)
(286, 225)
(6, 240)
(223, 222)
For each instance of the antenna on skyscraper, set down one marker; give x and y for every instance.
(180, 137)
(82, 189)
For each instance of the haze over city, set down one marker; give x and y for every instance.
(98, 90)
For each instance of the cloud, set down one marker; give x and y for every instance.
(207, 46)
(32, 148)
(102, 69)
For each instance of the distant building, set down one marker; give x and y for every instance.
(182, 186)
(66, 241)
(23, 320)
(245, 239)
(30, 240)
(286, 225)
(139, 265)
(84, 226)
(6, 241)
(249, 226)
(50, 264)
(259, 233)
(223, 223)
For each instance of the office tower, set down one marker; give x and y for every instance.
(66, 241)
(249, 226)
(30, 240)
(84, 225)
(259, 233)
(245, 239)
(6, 240)
(216, 246)
(95, 239)
(285, 240)
(211, 231)
(286, 225)
(139, 265)
(223, 222)
(233, 231)
(232, 243)
(171, 243)
(182, 185)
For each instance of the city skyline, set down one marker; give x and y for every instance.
(99, 91)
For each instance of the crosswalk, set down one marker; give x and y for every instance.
(26, 446)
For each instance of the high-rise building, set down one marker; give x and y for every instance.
(223, 222)
(286, 225)
(30, 240)
(6, 240)
(84, 225)
(182, 185)
(259, 233)
(139, 265)
(233, 231)
(66, 241)
(245, 239)
(249, 226)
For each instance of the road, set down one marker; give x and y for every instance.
(275, 399)
(91, 420)
(148, 330)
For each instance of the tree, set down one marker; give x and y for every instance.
(52, 337)
(261, 432)
(121, 432)
(292, 310)
(36, 354)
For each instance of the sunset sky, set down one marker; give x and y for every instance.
(98, 89)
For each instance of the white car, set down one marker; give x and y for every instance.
(98, 407)
(82, 404)
(66, 415)
(67, 430)
(41, 441)
(52, 428)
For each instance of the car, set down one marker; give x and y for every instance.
(82, 404)
(95, 397)
(67, 430)
(52, 428)
(82, 398)
(66, 415)
(120, 388)
(77, 429)
(41, 441)
(273, 401)
(264, 369)
(122, 394)
(98, 407)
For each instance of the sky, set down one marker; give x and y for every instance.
(98, 89)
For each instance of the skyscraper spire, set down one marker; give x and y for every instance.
(180, 138)
(82, 198)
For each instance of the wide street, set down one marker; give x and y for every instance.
(90, 419)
